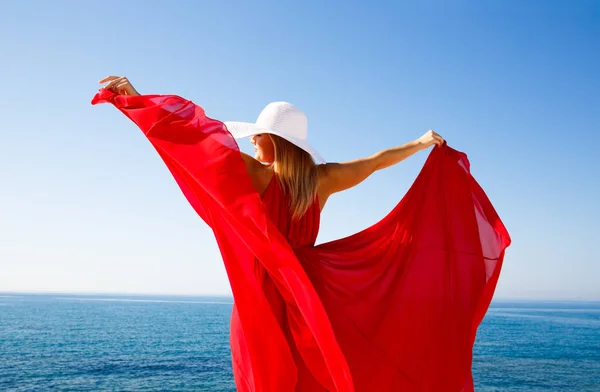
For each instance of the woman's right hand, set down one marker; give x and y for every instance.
(119, 85)
(430, 138)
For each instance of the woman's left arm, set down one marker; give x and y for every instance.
(341, 176)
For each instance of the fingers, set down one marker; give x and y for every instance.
(108, 78)
(115, 83)
(437, 138)
(121, 83)
(112, 81)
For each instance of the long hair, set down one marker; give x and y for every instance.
(297, 172)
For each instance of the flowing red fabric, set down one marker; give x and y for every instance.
(395, 307)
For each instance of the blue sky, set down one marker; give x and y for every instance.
(88, 206)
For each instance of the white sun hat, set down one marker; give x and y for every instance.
(278, 118)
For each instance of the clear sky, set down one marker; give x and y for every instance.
(88, 206)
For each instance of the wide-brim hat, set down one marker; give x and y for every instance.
(278, 118)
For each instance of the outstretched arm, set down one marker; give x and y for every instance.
(341, 176)
(122, 86)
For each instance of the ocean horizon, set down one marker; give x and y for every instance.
(158, 342)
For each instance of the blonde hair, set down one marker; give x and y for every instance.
(297, 173)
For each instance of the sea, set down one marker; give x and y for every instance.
(66, 342)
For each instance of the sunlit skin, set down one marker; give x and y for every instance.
(264, 150)
(332, 177)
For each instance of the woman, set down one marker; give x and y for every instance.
(323, 180)
(394, 307)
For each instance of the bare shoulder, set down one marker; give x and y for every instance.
(324, 183)
(323, 171)
(337, 177)
(259, 173)
(327, 173)
(252, 165)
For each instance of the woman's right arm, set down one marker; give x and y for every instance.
(341, 176)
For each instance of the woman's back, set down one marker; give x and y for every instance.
(300, 232)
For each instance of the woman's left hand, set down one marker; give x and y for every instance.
(119, 85)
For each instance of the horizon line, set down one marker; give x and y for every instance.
(228, 295)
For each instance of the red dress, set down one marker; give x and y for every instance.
(394, 307)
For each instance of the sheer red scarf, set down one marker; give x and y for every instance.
(410, 290)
